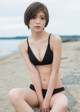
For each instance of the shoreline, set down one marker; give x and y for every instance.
(63, 41)
(9, 56)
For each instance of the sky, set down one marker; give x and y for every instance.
(64, 17)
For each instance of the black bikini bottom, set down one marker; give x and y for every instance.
(45, 90)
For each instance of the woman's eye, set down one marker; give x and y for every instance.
(42, 18)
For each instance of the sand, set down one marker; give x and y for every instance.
(14, 73)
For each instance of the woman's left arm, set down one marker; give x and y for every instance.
(56, 40)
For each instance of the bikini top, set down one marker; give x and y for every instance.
(47, 59)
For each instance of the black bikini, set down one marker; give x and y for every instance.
(48, 58)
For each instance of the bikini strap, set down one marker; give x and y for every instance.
(49, 38)
(27, 42)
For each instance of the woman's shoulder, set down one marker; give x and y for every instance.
(23, 44)
(55, 40)
(55, 37)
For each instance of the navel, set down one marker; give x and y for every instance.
(44, 79)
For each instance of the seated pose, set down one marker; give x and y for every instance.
(41, 53)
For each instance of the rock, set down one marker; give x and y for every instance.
(71, 78)
(70, 99)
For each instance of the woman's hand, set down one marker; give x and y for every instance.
(45, 106)
(40, 104)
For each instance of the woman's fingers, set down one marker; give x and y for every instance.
(47, 110)
(41, 110)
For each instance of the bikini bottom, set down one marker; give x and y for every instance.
(57, 90)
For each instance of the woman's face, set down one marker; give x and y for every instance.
(37, 23)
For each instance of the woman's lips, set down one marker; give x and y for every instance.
(37, 27)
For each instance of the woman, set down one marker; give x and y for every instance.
(41, 53)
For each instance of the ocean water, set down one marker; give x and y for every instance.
(8, 46)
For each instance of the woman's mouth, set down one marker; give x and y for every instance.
(37, 27)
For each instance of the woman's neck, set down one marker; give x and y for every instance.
(37, 35)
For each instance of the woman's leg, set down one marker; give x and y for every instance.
(22, 99)
(59, 102)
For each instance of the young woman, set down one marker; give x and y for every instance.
(41, 53)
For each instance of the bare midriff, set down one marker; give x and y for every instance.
(45, 73)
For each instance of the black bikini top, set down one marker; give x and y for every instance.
(47, 59)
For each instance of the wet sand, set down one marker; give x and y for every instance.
(14, 74)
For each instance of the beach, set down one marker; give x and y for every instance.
(14, 74)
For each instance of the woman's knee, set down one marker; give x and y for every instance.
(14, 95)
(63, 103)
(60, 102)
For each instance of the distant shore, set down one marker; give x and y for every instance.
(65, 38)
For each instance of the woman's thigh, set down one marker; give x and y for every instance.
(59, 99)
(28, 95)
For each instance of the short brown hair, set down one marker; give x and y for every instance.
(33, 9)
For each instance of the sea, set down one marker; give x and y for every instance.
(9, 45)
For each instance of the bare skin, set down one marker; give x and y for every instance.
(44, 70)
(44, 76)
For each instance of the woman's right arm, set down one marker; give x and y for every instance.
(32, 69)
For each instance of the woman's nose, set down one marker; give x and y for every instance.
(37, 20)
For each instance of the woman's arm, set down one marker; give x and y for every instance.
(56, 40)
(32, 69)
